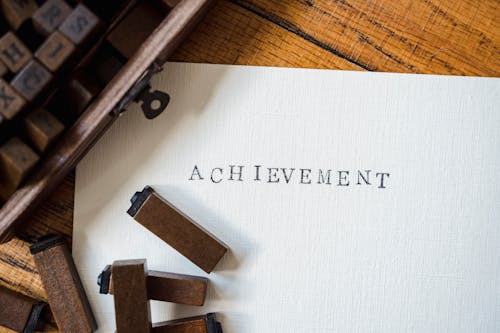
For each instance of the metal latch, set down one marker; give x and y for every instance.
(153, 103)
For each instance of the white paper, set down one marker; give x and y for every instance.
(421, 254)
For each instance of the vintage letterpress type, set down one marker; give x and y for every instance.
(13, 53)
(176, 229)
(50, 15)
(67, 298)
(42, 128)
(20, 313)
(132, 311)
(31, 80)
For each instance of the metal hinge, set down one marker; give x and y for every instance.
(152, 103)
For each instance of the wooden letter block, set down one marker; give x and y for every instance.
(80, 24)
(13, 53)
(17, 11)
(55, 51)
(10, 102)
(31, 80)
(67, 299)
(16, 161)
(166, 287)
(199, 324)
(74, 97)
(20, 313)
(42, 128)
(176, 229)
(80, 91)
(50, 16)
(132, 310)
(177, 288)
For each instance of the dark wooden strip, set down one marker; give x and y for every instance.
(200, 324)
(406, 36)
(289, 26)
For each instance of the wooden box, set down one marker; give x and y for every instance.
(129, 84)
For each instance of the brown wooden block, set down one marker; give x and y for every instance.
(55, 51)
(166, 287)
(31, 80)
(80, 24)
(17, 11)
(13, 53)
(3, 69)
(200, 324)
(16, 161)
(50, 15)
(20, 313)
(136, 27)
(177, 288)
(176, 229)
(80, 91)
(132, 311)
(11, 103)
(42, 128)
(61, 281)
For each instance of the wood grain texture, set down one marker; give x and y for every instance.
(421, 36)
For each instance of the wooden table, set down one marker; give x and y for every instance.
(457, 37)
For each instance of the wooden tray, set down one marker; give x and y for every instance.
(130, 84)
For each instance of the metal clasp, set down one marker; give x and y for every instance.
(153, 103)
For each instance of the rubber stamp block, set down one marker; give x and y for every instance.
(80, 91)
(200, 324)
(16, 160)
(80, 24)
(20, 313)
(50, 16)
(17, 11)
(42, 128)
(135, 28)
(55, 51)
(11, 103)
(166, 287)
(132, 311)
(31, 80)
(13, 53)
(67, 298)
(177, 288)
(176, 229)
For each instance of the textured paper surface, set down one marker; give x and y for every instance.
(420, 255)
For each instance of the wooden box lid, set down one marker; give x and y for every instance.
(124, 88)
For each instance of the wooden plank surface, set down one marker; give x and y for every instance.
(459, 37)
